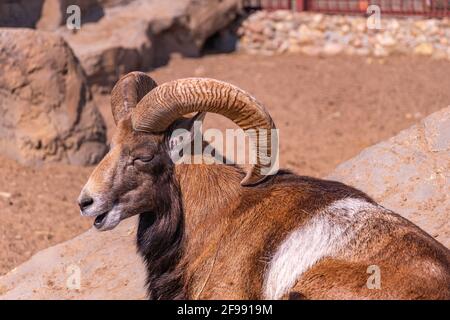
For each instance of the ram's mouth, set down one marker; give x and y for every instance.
(100, 220)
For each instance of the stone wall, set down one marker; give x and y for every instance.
(317, 34)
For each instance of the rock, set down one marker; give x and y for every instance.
(439, 53)
(362, 51)
(91, 266)
(331, 49)
(424, 49)
(311, 50)
(380, 51)
(20, 13)
(269, 32)
(47, 110)
(408, 173)
(317, 18)
(143, 34)
(203, 18)
(386, 40)
(437, 132)
(295, 48)
(6, 195)
(284, 47)
(257, 27)
(393, 25)
(345, 28)
(304, 35)
(106, 50)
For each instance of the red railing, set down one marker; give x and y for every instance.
(268, 4)
(431, 8)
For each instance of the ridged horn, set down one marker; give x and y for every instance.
(171, 100)
(128, 91)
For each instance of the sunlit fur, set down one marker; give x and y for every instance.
(236, 236)
(205, 236)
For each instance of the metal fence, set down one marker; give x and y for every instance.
(269, 4)
(431, 8)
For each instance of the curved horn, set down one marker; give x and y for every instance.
(128, 91)
(170, 101)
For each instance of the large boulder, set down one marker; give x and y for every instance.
(142, 34)
(47, 113)
(118, 36)
(117, 44)
(95, 265)
(409, 173)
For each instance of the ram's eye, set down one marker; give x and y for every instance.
(146, 159)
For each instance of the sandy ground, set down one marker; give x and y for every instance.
(327, 111)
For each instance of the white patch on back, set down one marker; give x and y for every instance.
(323, 236)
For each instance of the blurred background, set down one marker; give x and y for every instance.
(336, 75)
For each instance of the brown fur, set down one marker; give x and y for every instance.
(236, 231)
(204, 236)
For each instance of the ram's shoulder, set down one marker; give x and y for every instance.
(308, 193)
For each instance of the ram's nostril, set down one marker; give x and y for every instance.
(85, 202)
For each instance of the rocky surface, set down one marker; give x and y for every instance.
(408, 173)
(47, 113)
(94, 265)
(317, 34)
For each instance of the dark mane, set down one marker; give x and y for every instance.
(160, 240)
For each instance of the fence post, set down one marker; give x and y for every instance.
(299, 5)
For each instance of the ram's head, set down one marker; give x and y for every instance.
(137, 175)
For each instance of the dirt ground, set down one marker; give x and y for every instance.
(327, 111)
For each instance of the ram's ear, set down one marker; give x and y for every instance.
(127, 92)
(183, 132)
